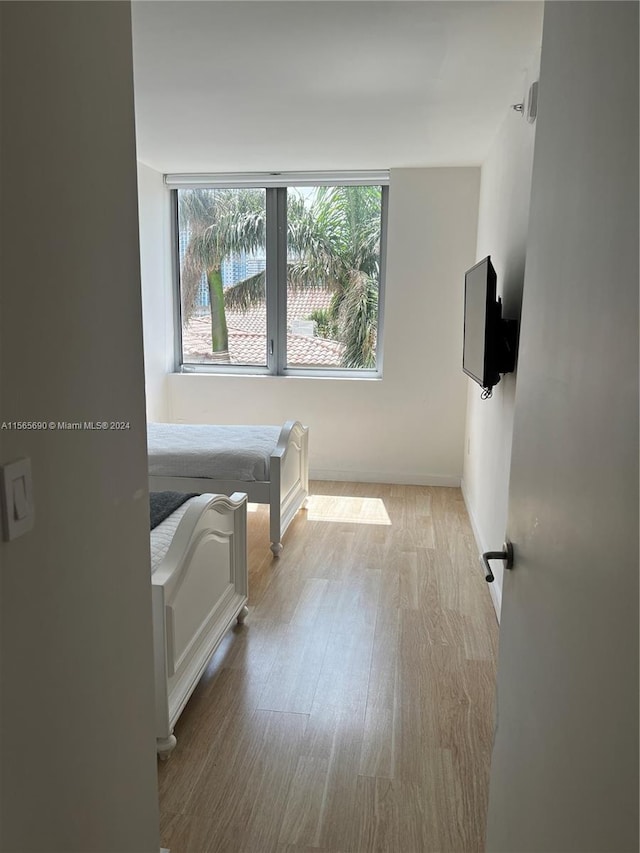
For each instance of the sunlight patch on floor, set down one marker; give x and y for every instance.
(347, 510)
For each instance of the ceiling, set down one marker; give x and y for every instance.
(295, 85)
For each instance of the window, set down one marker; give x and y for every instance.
(281, 274)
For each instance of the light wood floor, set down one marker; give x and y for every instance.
(354, 709)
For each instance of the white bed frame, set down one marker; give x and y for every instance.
(285, 491)
(198, 590)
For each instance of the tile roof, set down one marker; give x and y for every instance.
(300, 304)
(248, 340)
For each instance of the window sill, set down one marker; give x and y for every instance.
(247, 373)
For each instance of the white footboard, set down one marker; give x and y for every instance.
(289, 475)
(285, 491)
(198, 590)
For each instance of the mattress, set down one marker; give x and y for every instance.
(217, 452)
(162, 535)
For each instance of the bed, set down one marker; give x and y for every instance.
(269, 463)
(199, 583)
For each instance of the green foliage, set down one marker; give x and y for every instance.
(245, 294)
(219, 222)
(326, 326)
(359, 321)
(333, 241)
(336, 242)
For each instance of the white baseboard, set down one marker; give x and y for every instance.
(495, 588)
(384, 477)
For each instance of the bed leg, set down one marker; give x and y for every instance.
(276, 548)
(242, 615)
(165, 746)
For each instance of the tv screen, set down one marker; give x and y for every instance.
(480, 316)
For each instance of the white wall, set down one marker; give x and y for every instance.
(78, 763)
(157, 301)
(407, 427)
(503, 218)
(564, 774)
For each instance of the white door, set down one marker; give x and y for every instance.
(564, 775)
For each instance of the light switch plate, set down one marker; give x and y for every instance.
(17, 498)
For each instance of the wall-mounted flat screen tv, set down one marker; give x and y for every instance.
(489, 341)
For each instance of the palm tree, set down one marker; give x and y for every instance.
(218, 222)
(338, 241)
(333, 242)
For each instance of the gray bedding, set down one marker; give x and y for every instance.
(162, 504)
(217, 452)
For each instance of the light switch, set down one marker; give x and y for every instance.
(17, 498)
(20, 505)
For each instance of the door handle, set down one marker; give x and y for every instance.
(506, 554)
